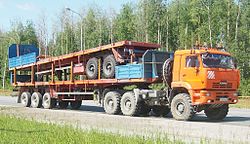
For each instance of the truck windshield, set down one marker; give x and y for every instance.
(217, 61)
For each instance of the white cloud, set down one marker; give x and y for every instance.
(26, 6)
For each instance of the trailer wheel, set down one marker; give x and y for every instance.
(76, 104)
(112, 102)
(109, 64)
(63, 104)
(181, 107)
(48, 102)
(129, 105)
(92, 68)
(36, 100)
(161, 111)
(26, 99)
(217, 113)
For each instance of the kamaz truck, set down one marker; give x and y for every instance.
(194, 80)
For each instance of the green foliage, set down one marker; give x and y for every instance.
(91, 29)
(158, 86)
(125, 24)
(20, 34)
(16, 130)
(129, 87)
(245, 87)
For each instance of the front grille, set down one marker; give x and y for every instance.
(222, 85)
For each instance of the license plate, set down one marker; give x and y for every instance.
(223, 99)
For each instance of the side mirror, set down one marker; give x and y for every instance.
(235, 63)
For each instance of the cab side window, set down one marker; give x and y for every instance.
(192, 61)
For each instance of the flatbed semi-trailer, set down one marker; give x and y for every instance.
(64, 77)
(193, 79)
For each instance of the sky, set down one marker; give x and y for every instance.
(23, 10)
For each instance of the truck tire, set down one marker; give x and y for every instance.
(181, 107)
(48, 102)
(76, 104)
(112, 102)
(36, 100)
(129, 106)
(109, 64)
(167, 70)
(26, 99)
(63, 104)
(217, 113)
(92, 68)
(161, 111)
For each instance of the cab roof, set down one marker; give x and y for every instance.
(201, 50)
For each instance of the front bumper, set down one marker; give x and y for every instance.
(214, 97)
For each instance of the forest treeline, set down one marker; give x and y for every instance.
(175, 24)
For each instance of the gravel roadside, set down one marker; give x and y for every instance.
(190, 132)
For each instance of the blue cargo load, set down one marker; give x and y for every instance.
(150, 66)
(22, 54)
(129, 71)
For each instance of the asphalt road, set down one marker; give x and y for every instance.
(234, 129)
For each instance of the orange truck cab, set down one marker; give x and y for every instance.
(203, 79)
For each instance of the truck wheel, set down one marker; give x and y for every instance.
(76, 104)
(217, 113)
(48, 102)
(26, 99)
(112, 102)
(181, 107)
(129, 106)
(92, 68)
(109, 64)
(161, 111)
(36, 100)
(63, 104)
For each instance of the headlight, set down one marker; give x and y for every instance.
(205, 93)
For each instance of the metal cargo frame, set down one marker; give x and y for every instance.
(67, 62)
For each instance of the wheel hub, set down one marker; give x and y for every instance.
(92, 68)
(46, 100)
(34, 99)
(111, 103)
(109, 67)
(180, 108)
(23, 99)
(128, 104)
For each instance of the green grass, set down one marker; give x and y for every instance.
(17, 130)
(244, 102)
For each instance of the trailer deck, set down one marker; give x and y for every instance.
(68, 63)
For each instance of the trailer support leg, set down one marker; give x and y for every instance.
(32, 74)
(71, 72)
(99, 69)
(14, 76)
(52, 72)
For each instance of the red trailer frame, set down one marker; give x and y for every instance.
(72, 86)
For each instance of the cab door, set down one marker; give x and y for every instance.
(190, 70)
